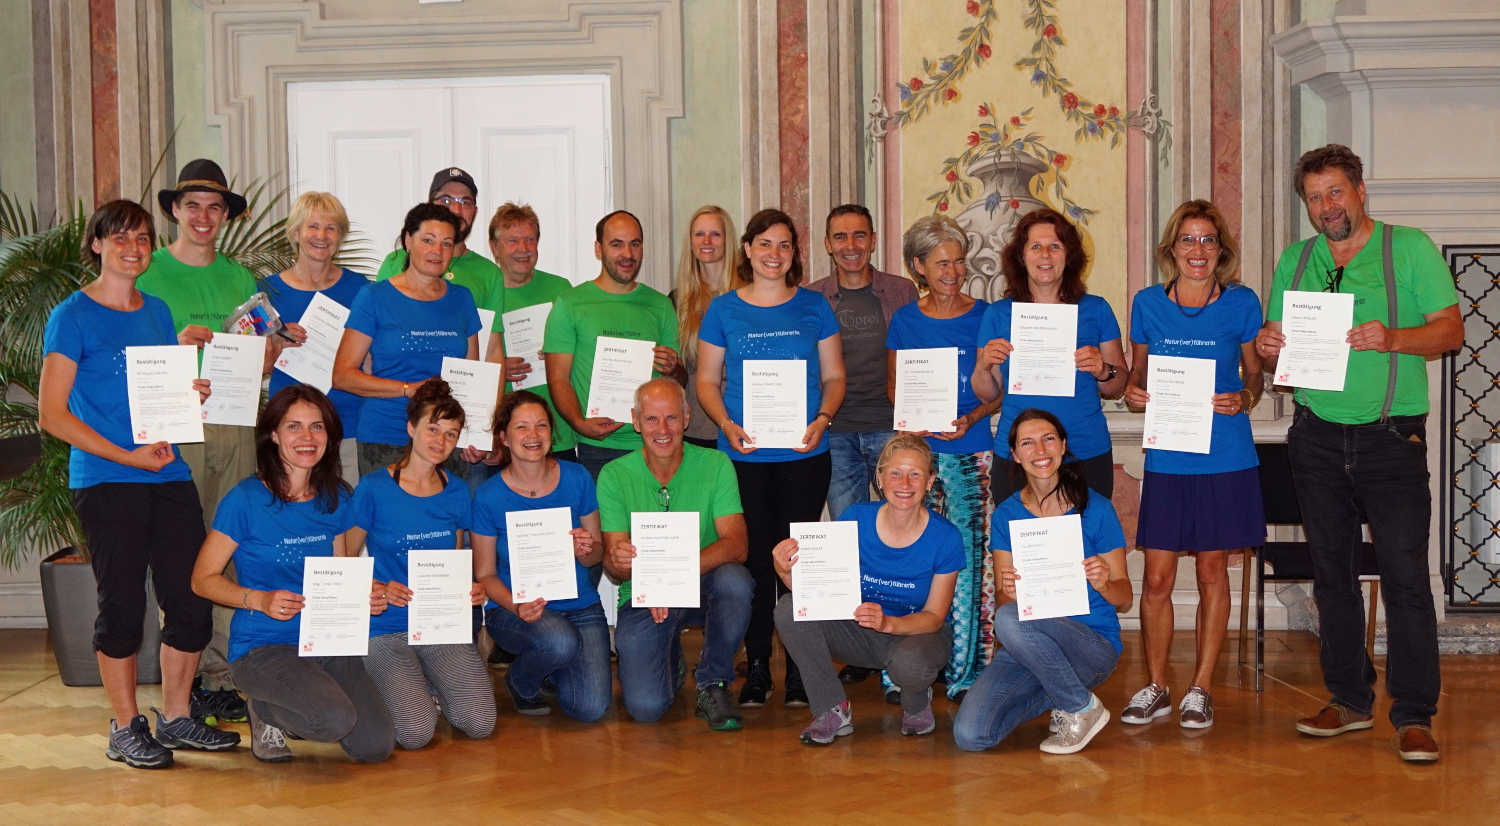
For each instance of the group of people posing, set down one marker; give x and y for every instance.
(229, 522)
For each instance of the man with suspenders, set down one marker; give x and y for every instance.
(1363, 449)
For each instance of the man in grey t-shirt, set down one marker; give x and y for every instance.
(863, 300)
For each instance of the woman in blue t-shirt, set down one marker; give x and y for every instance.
(769, 317)
(295, 506)
(566, 640)
(934, 249)
(909, 558)
(414, 505)
(137, 503)
(1043, 264)
(407, 325)
(1050, 663)
(1206, 504)
(316, 226)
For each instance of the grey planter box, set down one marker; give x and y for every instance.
(71, 597)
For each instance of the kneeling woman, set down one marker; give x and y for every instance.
(907, 553)
(295, 506)
(413, 504)
(1050, 663)
(566, 639)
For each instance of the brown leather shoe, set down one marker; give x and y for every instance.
(1415, 744)
(1334, 719)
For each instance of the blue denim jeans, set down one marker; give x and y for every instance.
(853, 456)
(1380, 470)
(594, 458)
(1045, 664)
(650, 651)
(572, 647)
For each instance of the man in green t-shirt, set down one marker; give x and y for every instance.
(1362, 450)
(614, 305)
(668, 475)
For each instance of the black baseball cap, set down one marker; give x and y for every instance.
(449, 175)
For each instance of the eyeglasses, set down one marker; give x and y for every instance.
(664, 498)
(1334, 279)
(449, 200)
(1209, 242)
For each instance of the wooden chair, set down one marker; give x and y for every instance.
(1289, 561)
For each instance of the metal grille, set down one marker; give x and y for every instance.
(1470, 505)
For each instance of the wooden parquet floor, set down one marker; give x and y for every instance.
(1252, 768)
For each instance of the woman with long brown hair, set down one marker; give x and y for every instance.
(705, 271)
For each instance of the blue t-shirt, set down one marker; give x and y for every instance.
(575, 491)
(273, 538)
(408, 341)
(94, 337)
(1215, 333)
(900, 579)
(911, 329)
(291, 304)
(397, 522)
(790, 330)
(1101, 534)
(1081, 413)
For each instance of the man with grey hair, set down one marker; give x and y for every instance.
(666, 474)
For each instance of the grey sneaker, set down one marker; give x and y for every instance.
(267, 742)
(1076, 730)
(185, 731)
(829, 725)
(1149, 703)
(529, 706)
(718, 708)
(1197, 709)
(916, 725)
(135, 747)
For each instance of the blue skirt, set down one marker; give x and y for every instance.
(1208, 512)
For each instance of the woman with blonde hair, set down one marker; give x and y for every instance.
(317, 226)
(1206, 504)
(705, 271)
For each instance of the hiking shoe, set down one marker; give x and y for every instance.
(916, 725)
(215, 706)
(1197, 709)
(500, 658)
(829, 725)
(893, 696)
(795, 695)
(1149, 703)
(1415, 744)
(758, 685)
(718, 708)
(267, 742)
(1334, 719)
(135, 747)
(854, 674)
(1074, 731)
(529, 706)
(185, 731)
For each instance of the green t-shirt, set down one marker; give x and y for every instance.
(471, 270)
(705, 482)
(1423, 285)
(197, 295)
(541, 289)
(582, 314)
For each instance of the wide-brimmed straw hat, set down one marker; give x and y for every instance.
(202, 175)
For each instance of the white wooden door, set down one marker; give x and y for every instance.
(542, 140)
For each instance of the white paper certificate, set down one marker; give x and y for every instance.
(1048, 557)
(1044, 338)
(441, 612)
(927, 389)
(523, 339)
(164, 407)
(620, 366)
(1181, 413)
(665, 571)
(312, 363)
(1315, 324)
(541, 554)
(775, 402)
(476, 386)
(232, 365)
(825, 580)
(336, 617)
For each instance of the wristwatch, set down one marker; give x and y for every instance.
(1113, 371)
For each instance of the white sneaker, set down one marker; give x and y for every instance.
(1076, 730)
(1149, 703)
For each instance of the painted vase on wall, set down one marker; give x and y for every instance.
(991, 220)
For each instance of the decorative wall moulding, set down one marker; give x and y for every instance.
(1407, 45)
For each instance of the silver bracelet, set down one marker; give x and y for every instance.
(245, 601)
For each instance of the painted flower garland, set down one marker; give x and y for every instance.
(941, 84)
(1095, 120)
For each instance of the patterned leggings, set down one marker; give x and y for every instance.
(416, 680)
